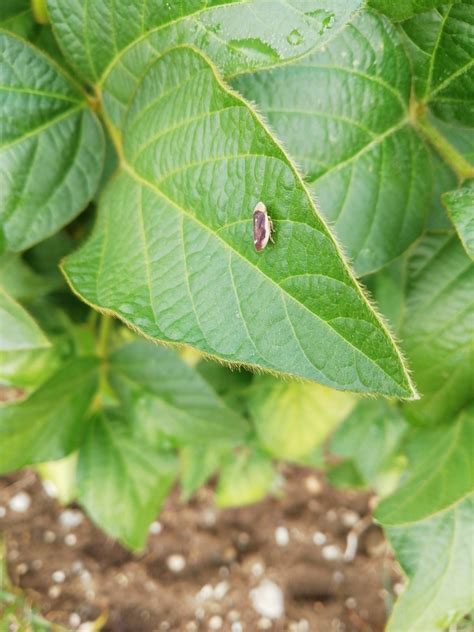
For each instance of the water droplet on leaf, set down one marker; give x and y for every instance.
(294, 38)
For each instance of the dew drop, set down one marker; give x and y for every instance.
(294, 38)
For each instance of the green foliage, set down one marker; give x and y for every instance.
(188, 242)
(46, 121)
(181, 402)
(128, 154)
(19, 330)
(441, 472)
(291, 419)
(436, 554)
(437, 328)
(370, 437)
(245, 478)
(460, 207)
(48, 425)
(404, 9)
(135, 478)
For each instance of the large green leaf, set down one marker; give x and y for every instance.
(19, 332)
(403, 9)
(16, 16)
(20, 281)
(292, 418)
(460, 207)
(370, 437)
(245, 478)
(197, 463)
(51, 145)
(122, 481)
(437, 556)
(387, 286)
(343, 113)
(441, 43)
(50, 423)
(437, 329)
(182, 403)
(442, 473)
(238, 35)
(172, 252)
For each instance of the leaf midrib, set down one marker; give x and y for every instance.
(133, 174)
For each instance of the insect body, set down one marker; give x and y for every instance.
(262, 227)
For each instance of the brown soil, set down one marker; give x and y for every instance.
(231, 549)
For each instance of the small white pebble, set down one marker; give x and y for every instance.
(302, 625)
(20, 502)
(121, 579)
(236, 627)
(331, 552)
(77, 566)
(349, 518)
(313, 485)
(257, 569)
(175, 563)
(191, 626)
(71, 518)
(36, 565)
(54, 592)
(50, 488)
(221, 589)
(282, 536)
(208, 517)
(398, 588)
(13, 555)
(22, 569)
(155, 528)
(233, 615)
(264, 623)
(205, 593)
(165, 625)
(199, 613)
(88, 626)
(267, 599)
(350, 603)
(3, 511)
(215, 622)
(70, 539)
(319, 538)
(49, 536)
(58, 577)
(338, 577)
(74, 620)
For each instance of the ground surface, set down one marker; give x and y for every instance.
(74, 573)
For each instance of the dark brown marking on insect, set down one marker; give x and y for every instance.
(260, 230)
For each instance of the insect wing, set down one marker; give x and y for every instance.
(261, 229)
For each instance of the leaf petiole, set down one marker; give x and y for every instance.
(461, 167)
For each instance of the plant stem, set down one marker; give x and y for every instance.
(103, 339)
(458, 163)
